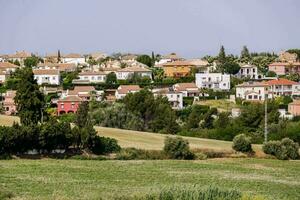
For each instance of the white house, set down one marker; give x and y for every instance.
(123, 90)
(175, 98)
(47, 76)
(91, 77)
(215, 81)
(128, 72)
(73, 58)
(252, 91)
(249, 71)
(19, 56)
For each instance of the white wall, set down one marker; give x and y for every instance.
(74, 60)
(93, 78)
(215, 81)
(47, 79)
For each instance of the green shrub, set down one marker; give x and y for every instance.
(210, 153)
(242, 143)
(291, 148)
(178, 148)
(140, 154)
(272, 147)
(103, 145)
(283, 150)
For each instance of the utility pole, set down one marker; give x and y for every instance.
(266, 117)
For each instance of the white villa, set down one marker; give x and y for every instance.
(91, 77)
(128, 72)
(47, 76)
(215, 81)
(252, 91)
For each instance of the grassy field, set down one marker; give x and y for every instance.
(221, 104)
(87, 179)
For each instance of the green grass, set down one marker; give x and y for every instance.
(221, 104)
(86, 179)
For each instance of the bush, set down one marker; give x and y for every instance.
(291, 148)
(282, 150)
(178, 148)
(139, 154)
(242, 143)
(104, 145)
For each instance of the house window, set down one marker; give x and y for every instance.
(253, 70)
(62, 106)
(255, 97)
(73, 105)
(249, 96)
(99, 77)
(53, 78)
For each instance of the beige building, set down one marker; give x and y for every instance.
(294, 108)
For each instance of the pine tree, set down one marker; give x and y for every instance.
(222, 55)
(82, 119)
(245, 55)
(29, 99)
(58, 56)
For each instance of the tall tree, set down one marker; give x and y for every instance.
(145, 59)
(111, 78)
(58, 56)
(222, 55)
(29, 99)
(245, 55)
(82, 118)
(31, 61)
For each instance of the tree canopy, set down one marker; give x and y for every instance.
(29, 99)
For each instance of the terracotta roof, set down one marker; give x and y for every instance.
(247, 66)
(172, 56)
(178, 63)
(90, 73)
(281, 81)
(198, 62)
(8, 65)
(284, 64)
(185, 86)
(20, 54)
(124, 89)
(66, 66)
(134, 69)
(73, 55)
(70, 98)
(46, 72)
(296, 102)
(78, 89)
(253, 84)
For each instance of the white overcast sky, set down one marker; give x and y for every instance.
(192, 28)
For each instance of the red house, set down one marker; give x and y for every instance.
(68, 104)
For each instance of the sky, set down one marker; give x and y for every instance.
(191, 28)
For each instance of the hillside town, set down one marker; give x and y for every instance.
(69, 79)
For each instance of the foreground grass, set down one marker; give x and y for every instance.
(78, 179)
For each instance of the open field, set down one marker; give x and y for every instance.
(221, 104)
(88, 179)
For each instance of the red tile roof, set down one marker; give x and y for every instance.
(46, 72)
(8, 65)
(124, 89)
(281, 81)
(73, 98)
